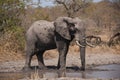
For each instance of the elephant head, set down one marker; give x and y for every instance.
(75, 27)
(63, 26)
(81, 38)
(68, 27)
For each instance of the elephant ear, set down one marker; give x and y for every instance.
(61, 27)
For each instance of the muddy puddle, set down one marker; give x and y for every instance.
(103, 72)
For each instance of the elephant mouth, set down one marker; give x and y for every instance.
(91, 41)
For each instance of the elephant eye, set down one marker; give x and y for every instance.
(72, 31)
(71, 25)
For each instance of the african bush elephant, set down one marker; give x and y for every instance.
(44, 35)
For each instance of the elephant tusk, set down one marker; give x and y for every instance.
(79, 44)
(90, 44)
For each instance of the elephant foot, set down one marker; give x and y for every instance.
(82, 68)
(58, 67)
(26, 69)
(62, 69)
(62, 73)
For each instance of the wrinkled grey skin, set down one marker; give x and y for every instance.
(44, 35)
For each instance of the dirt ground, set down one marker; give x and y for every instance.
(94, 56)
(11, 62)
(72, 61)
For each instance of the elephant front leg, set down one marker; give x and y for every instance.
(82, 55)
(63, 49)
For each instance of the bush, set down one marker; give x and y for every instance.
(10, 10)
(13, 39)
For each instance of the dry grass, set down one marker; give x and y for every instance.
(9, 49)
(7, 54)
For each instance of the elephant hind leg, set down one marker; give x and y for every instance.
(30, 51)
(39, 55)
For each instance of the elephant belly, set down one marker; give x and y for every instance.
(46, 45)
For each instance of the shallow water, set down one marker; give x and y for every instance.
(103, 72)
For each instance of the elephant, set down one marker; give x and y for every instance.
(44, 35)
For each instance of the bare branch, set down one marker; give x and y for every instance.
(72, 6)
(63, 3)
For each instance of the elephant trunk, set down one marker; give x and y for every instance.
(82, 56)
(82, 46)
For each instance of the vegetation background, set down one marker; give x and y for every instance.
(16, 16)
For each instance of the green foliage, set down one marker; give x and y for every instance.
(10, 11)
